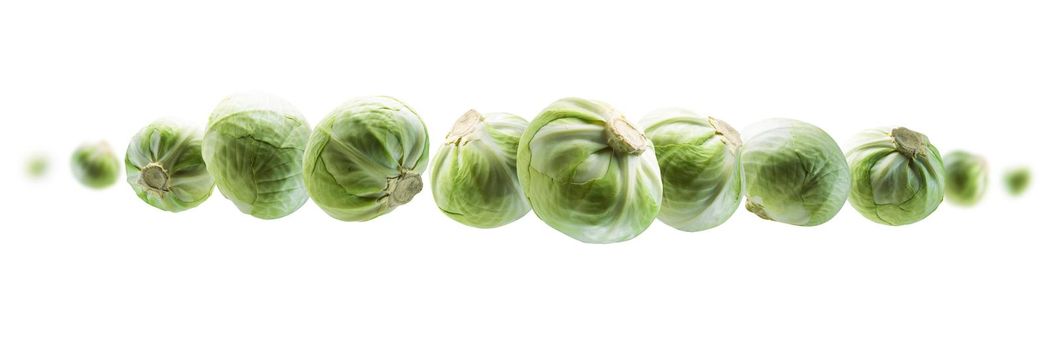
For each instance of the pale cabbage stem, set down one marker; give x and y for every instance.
(624, 138)
(155, 178)
(910, 143)
(466, 126)
(401, 189)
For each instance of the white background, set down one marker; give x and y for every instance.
(84, 269)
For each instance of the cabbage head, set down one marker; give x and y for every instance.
(473, 176)
(253, 149)
(966, 178)
(1017, 180)
(164, 165)
(896, 175)
(795, 172)
(588, 172)
(699, 159)
(365, 158)
(95, 165)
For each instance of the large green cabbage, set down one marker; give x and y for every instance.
(795, 172)
(253, 148)
(896, 176)
(473, 178)
(365, 158)
(588, 172)
(699, 159)
(164, 165)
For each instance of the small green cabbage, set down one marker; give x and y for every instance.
(699, 159)
(473, 177)
(1017, 180)
(588, 172)
(253, 148)
(37, 166)
(896, 176)
(966, 177)
(365, 158)
(164, 165)
(95, 166)
(795, 172)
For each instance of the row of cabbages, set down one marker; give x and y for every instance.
(580, 165)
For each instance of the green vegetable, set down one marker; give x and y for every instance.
(253, 148)
(896, 176)
(1018, 180)
(95, 166)
(365, 158)
(795, 172)
(164, 165)
(966, 177)
(473, 177)
(37, 166)
(588, 172)
(699, 159)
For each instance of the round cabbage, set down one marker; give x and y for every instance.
(699, 159)
(473, 177)
(37, 166)
(95, 165)
(896, 176)
(365, 158)
(164, 165)
(588, 172)
(795, 173)
(253, 148)
(1017, 180)
(966, 177)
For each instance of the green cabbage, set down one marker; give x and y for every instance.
(897, 176)
(37, 166)
(253, 148)
(588, 172)
(966, 180)
(365, 158)
(1017, 180)
(95, 165)
(473, 177)
(699, 159)
(795, 172)
(164, 165)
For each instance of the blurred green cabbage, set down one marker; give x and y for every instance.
(95, 165)
(1018, 180)
(966, 180)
